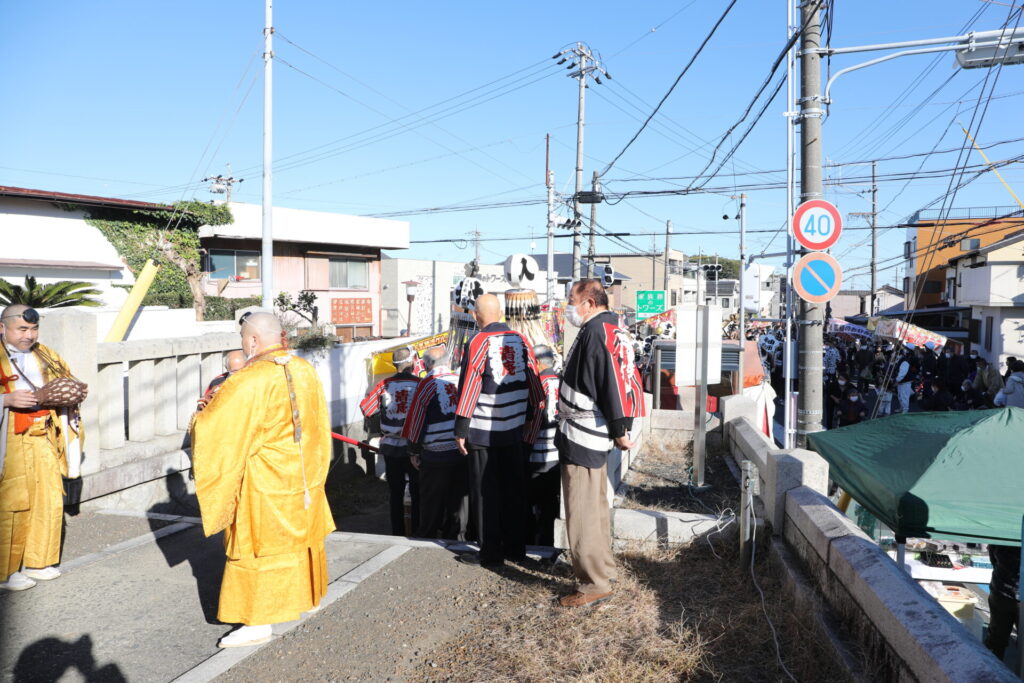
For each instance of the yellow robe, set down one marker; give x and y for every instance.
(249, 481)
(31, 487)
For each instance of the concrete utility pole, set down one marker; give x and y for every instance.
(550, 182)
(267, 247)
(668, 252)
(743, 303)
(809, 406)
(592, 247)
(874, 237)
(583, 55)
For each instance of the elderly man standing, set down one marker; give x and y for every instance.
(430, 431)
(391, 397)
(38, 446)
(261, 455)
(498, 389)
(600, 395)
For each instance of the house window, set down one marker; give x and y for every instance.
(906, 286)
(709, 302)
(951, 290)
(230, 264)
(988, 332)
(725, 302)
(675, 297)
(349, 274)
(906, 250)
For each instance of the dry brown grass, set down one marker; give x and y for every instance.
(677, 615)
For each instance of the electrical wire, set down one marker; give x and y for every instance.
(664, 97)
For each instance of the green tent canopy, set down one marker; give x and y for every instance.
(952, 475)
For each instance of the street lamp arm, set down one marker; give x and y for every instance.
(967, 40)
(905, 53)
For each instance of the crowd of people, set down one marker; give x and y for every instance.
(866, 378)
(486, 454)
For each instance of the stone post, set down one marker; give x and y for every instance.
(71, 332)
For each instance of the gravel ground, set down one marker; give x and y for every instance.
(387, 627)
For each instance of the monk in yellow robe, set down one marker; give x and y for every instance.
(37, 446)
(261, 451)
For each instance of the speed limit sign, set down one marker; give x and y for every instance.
(817, 224)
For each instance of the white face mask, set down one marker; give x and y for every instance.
(949, 355)
(855, 398)
(573, 316)
(842, 382)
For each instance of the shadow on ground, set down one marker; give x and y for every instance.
(49, 659)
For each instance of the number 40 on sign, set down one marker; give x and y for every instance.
(817, 224)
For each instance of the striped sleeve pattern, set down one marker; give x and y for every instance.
(418, 410)
(370, 405)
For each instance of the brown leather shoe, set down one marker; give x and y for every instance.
(579, 599)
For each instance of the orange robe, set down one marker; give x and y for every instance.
(31, 484)
(252, 481)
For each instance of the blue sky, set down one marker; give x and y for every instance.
(142, 100)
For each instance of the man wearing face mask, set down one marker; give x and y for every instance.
(37, 447)
(599, 396)
(261, 455)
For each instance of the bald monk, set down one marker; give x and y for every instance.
(36, 446)
(499, 391)
(261, 455)
(233, 362)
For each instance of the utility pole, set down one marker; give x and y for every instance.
(267, 246)
(873, 215)
(222, 184)
(874, 237)
(549, 180)
(743, 303)
(592, 247)
(809, 406)
(654, 265)
(585, 67)
(668, 250)
(583, 55)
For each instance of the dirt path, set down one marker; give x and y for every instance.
(384, 629)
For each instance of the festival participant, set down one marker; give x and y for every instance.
(261, 456)
(545, 474)
(430, 432)
(498, 391)
(233, 362)
(391, 397)
(37, 447)
(601, 393)
(987, 381)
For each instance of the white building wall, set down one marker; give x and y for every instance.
(40, 231)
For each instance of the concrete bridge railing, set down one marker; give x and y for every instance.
(904, 633)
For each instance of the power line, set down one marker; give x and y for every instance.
(664, 97)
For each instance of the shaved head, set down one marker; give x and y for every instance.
(13, 311)
(488, 310)
(259, 331)
(234, 360)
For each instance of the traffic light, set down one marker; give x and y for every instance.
(607, 275)
(711, 270)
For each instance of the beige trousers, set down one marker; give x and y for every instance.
(587, 525)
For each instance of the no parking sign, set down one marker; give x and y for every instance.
(817, 278)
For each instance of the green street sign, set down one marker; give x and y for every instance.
(650, 302)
